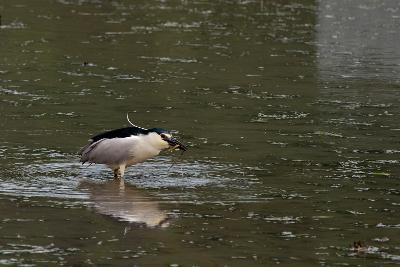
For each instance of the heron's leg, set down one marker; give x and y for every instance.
(119, 172)
(122, 170)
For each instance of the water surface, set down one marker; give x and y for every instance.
(290, 110)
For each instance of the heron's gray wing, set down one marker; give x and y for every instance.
(109, 151)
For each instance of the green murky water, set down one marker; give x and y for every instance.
(290, 110)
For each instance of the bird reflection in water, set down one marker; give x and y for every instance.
(125, 202)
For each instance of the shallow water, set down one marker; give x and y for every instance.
(290, 110)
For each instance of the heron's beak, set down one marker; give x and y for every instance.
(174, 143)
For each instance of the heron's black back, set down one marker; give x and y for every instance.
(120, 133)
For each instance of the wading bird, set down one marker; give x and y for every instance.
(124, 147)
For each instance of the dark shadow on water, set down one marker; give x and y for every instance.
(124, 202)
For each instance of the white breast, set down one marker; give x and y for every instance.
(145, 147)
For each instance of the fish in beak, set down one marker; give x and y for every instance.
(175, 144)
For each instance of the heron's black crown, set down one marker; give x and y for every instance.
(158, 130)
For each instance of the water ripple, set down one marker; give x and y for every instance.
(61, 179)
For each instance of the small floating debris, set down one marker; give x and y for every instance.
(88, 64)
(328, 134)
(13, 25)
(173, 24)
(261, 117)
(380, 173)
(354, 212)
(381, 225)
(358, 246)
(127, 77)
(382, 239)
(284, 219)
(287, 234)
(171, 60)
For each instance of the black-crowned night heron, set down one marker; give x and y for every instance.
(124, 147)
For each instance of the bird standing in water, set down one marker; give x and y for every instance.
(124, 147)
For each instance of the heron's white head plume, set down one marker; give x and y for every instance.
(127, 117)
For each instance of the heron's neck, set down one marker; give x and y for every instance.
(155, 141)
